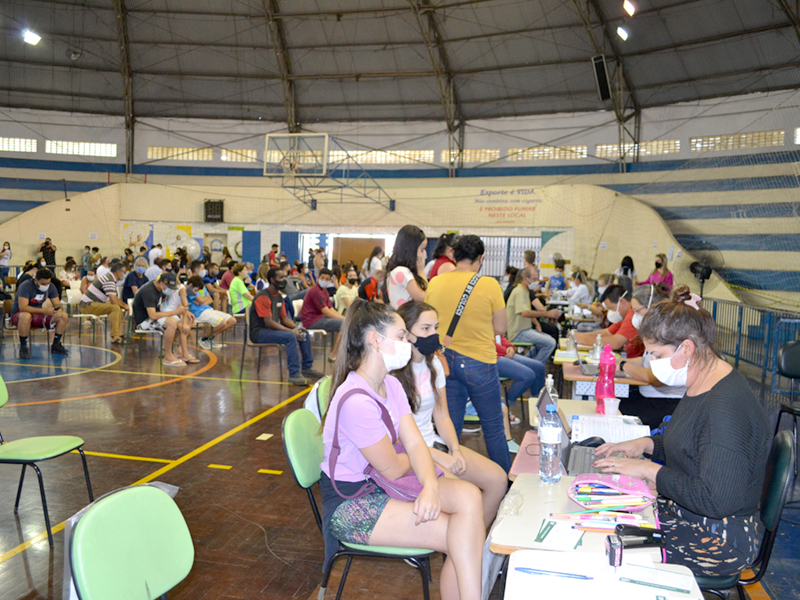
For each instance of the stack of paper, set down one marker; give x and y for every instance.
(612, 429)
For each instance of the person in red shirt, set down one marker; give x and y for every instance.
(227, 277)
(273, 257)
(621, 333)
(443, 255)
(318, 311)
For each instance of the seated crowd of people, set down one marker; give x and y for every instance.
(418, 342)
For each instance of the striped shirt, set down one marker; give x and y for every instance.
(100, 289)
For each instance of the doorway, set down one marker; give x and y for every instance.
(215, 242)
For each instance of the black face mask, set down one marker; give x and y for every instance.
(279, 284)
(428, 345)
(352, 281)
(658, 265)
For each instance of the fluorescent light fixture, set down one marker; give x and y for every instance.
(30, 37)
(629, 7)
(622, 33)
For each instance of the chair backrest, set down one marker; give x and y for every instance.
(74, 297)
(133, 544)
(298, 307)
(323, 391)
(303, 445)
(789, 360)
(75, 285)
(130, 306)
(3, 393)
(247, 340)
(780, 468)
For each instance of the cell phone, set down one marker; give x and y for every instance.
(56, 308)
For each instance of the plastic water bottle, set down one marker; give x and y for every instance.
(604, 387)
(550, 446)
(597, 347)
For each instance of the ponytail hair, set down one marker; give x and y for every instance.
(362, 317)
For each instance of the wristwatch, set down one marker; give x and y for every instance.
(622, 365)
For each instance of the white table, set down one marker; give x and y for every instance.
(604, 585)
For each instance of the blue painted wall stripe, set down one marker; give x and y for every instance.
(777, 281)
(776, 210)
(764, 242)
(18, 205)
(49, 185)
(60, 165)
(707, 185)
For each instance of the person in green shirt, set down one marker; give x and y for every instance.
(238, 294)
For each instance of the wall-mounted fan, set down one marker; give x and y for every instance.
(696, 268)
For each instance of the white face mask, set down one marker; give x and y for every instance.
(43, 288)
(601, 289)
(667, 374)
(614, 316)
(533, 285)
(202, 272)
(637, 320)
(90, 277)
(401, 356)
(326, 284)
(572, 285)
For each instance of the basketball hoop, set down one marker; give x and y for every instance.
(290, 164)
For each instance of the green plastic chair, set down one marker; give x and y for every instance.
(132, 544)
(780, 467)
(323, 391)
(303, 445)
(29, 451)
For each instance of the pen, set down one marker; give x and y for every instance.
(655, 585)
(553, 573)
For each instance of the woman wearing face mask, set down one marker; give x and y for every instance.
(713, 451)
(626, 269)
(69, 273)
(87, 280)
(238, 294)
(423, 380)
(652, 402)
(347, 292)
(447, 516)
(261, 282)
(5, 260)
(557, 282)
(578, 292)
(405, 270)
(661, 274)
(135, 279)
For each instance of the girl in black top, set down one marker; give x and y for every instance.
(708, 467)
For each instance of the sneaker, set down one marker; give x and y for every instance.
(25, 352)
(514, 420)
(312, 374)
(217, 346)
(470, 428)
(298, 380)
(205, 344)
(58, 348)
(513, 446)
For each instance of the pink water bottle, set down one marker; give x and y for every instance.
(604, 387)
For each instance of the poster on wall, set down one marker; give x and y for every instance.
(181, 237)
(135, 235)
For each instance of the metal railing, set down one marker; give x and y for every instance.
(750, 337)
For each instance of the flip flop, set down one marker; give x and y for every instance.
(191, 361)
(175, 363)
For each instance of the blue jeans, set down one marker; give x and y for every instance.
(525, 373)
(473, 380)
(288, 339)
(3, 275)
(544, 344)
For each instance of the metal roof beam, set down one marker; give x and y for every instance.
(127, 80)
(445, 77)
(793, 16)
(278, 37)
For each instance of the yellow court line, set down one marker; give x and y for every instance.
(155, 474)
(270, 472)
(144, 373)
(224, 467)
(124, 457)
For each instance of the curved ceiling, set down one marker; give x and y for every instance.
(305, 61)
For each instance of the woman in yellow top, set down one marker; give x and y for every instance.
(471, 353)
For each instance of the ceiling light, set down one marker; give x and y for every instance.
(622, 33)
(629, 7)
(30, 37)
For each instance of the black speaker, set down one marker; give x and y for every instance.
(601, 77)
(215, 211)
